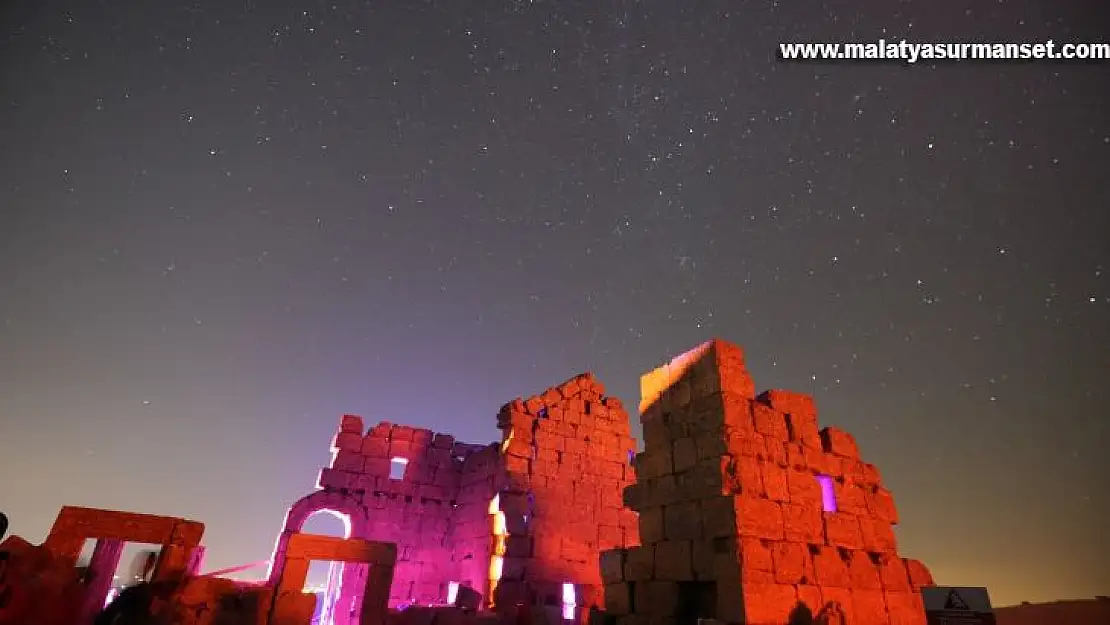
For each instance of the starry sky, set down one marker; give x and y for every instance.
(223, 224)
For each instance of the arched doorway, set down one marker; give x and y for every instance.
(342, 593)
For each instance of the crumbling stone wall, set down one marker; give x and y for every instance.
(749, 513)
(415, 511)
(566, 455)
(514, 521)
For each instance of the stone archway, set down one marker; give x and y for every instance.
(346, 598)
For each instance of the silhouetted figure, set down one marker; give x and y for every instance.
(832, 614)
(801, 615)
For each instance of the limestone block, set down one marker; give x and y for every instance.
(769, 603)
(758, 518)
(804, 488)
(775, 482)
(810, 596)
(869, 608)
(639, 563)
(619, 598)
(919, 574)
(878, 536)
(892, 572)
(905, 608)
(829, 568)
(881, 504)
(351, 423)
(683, 521)
(792, 563)
(673, 561)
(843, 530)
(864, 572)
(769, 422)
(840, 443)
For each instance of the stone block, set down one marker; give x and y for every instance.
(878, 536)
(769, 603)
(880, 503)
(776, 452)
(869, 608)
(905, 608)
(651, 525)
(803, 429)
(919, 574)
(790, 402)
(710, 445)
(756, 556)
(639, 563)
(673, 561)
(892, 572)
(829, 567)
(611, 564)
(850, 498)
(750, 475)
(803, 524)
(351, 461)
(792, 563)
(348, 441)
(770, 422)
(657, 597)
(821, 462)
(810, 597)
(351, 423)
(843, 530)
(718, 517)
(758, 518)
(839, 443)
(864, 572)
(837, 601)
(619, 598)
(682, 521)
(774, 482)
(685, 454)
(804, 488)
(749, 444)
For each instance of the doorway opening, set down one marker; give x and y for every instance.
(325, 578)
(696, 600)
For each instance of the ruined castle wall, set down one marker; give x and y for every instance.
(567, 458)
(749, 513)
(409, 503)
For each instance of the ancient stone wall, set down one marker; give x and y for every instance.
(567, 457)
(749, 513)
(411, 483)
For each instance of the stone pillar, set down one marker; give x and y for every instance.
(196, 562)
(102, 567)
(375, 599)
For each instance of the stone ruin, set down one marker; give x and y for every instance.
(749, 513)
(738, 510)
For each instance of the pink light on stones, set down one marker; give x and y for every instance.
(828, 493)
(569, 601)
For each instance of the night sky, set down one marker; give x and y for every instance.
(226, 223)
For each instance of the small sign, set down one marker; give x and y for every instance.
(952, 605)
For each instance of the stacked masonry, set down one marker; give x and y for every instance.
(419, 489)
(751, 514)
(523, 520)
(567, 458)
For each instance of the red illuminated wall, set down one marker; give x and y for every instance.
(750, 513)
